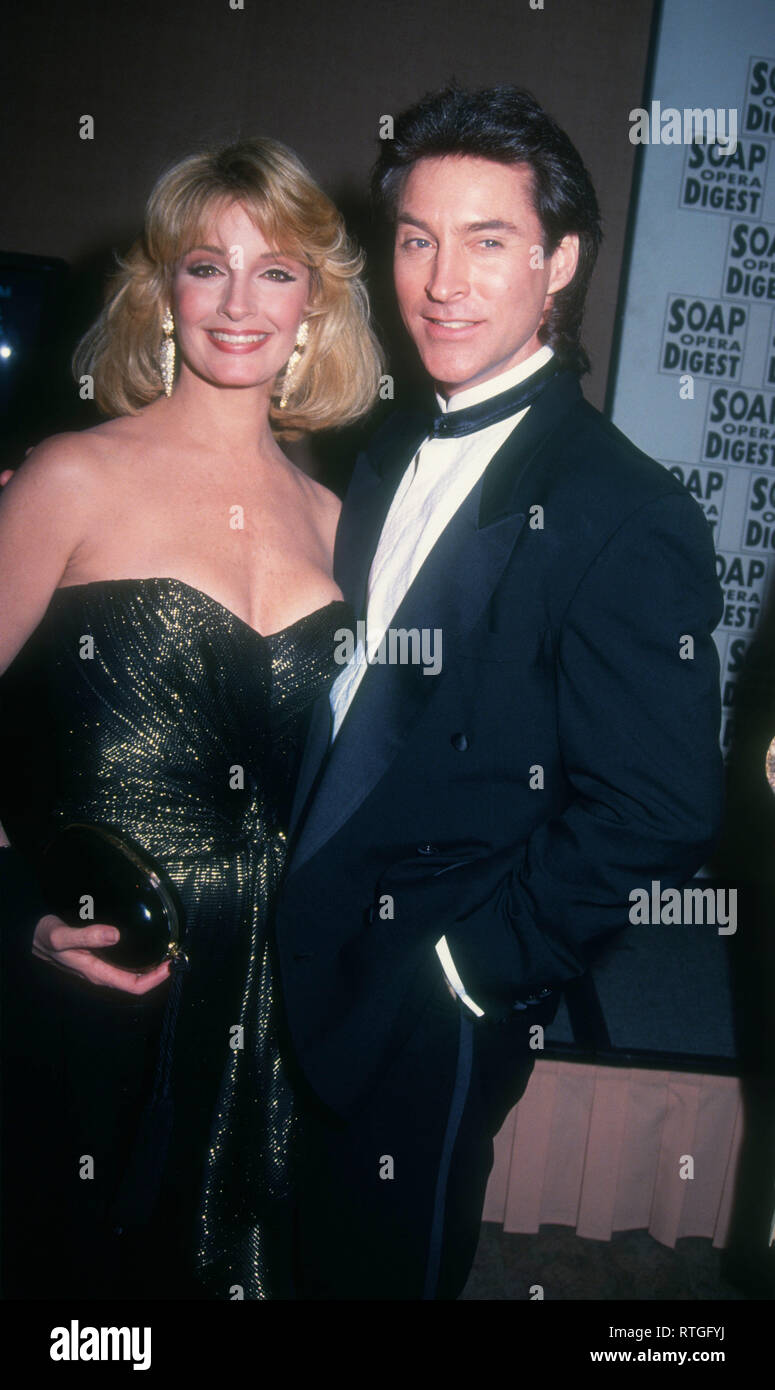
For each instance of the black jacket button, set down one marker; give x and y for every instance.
(460, 742)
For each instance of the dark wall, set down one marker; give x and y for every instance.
(161, 78)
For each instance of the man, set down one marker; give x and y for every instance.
(463, 841)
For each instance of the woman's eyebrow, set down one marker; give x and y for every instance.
(265, 255)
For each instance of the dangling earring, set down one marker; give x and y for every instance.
(167, 351)
(293, 362)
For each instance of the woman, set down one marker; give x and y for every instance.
(170, 617)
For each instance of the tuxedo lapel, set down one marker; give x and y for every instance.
(315, 747)
(360, 526)
(449, 593)
(368, 502)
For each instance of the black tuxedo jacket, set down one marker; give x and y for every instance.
(566, 753)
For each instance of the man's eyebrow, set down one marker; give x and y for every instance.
(494, 224)
(406, 219)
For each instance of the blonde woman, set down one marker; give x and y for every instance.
(169, 619)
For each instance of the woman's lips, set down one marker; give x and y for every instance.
(236, 342)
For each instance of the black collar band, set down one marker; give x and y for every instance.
(456, 423)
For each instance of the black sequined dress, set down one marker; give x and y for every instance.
(147, 706)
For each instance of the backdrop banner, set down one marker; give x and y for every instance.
(694, 379)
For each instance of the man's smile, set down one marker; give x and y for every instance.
(449, 328)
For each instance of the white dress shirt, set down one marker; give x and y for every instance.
(436, 482)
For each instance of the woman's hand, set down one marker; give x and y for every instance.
(70, 948)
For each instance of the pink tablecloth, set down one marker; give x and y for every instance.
(603, 1149)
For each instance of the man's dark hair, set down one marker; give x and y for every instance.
(507, 124)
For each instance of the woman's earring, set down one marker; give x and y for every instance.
(293, 362)
(167, 351)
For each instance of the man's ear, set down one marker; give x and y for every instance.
(564, 260)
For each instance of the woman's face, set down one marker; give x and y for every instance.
(237, 304)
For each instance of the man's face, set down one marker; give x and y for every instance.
(469, 279)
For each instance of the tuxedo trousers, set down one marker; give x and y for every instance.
(390, 1200)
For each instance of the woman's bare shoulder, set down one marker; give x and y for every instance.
(73, 459)
(61, 463)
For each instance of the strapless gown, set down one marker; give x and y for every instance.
(147, 706)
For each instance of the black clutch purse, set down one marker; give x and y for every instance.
(128, 890)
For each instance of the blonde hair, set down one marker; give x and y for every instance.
(337, 377)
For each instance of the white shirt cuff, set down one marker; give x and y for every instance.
(448, 966)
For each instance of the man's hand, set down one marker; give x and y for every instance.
(70, 948)
(7, 473)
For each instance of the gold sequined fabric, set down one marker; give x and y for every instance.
(160, 713)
